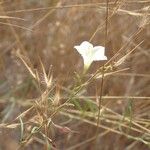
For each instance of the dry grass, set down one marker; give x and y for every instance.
(46, 102)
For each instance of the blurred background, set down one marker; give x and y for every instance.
(49, 29)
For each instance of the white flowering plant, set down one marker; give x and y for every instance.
(90, 53)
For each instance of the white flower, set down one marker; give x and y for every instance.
(90, 53)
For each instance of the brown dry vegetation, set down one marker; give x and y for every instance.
(45, 102)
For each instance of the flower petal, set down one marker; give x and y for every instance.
(84, 48)
(99, 53)
(100, 49)
(86, 45)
